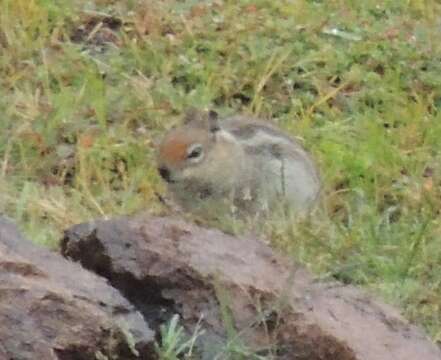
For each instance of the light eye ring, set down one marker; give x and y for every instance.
(195, 152)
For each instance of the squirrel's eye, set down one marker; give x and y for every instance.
(195, 152)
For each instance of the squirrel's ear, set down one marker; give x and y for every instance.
(200, 119)
(213, 121)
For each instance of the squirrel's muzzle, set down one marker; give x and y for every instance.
(165, 174)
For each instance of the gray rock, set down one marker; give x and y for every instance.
(51, 308)
(166, 266)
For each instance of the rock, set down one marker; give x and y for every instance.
(166, 266)
(51, 308)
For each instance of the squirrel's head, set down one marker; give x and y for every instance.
(185, 148)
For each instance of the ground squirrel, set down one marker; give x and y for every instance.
(241, 162)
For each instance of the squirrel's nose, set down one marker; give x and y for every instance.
(165, 173)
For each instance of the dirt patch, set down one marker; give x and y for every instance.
(96, 32)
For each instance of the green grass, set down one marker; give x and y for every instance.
(86, 89)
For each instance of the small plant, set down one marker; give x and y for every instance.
(175, 344)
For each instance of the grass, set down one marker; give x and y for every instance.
(87, 87)
(174, 342)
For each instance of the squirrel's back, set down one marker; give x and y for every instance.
(286, 171)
